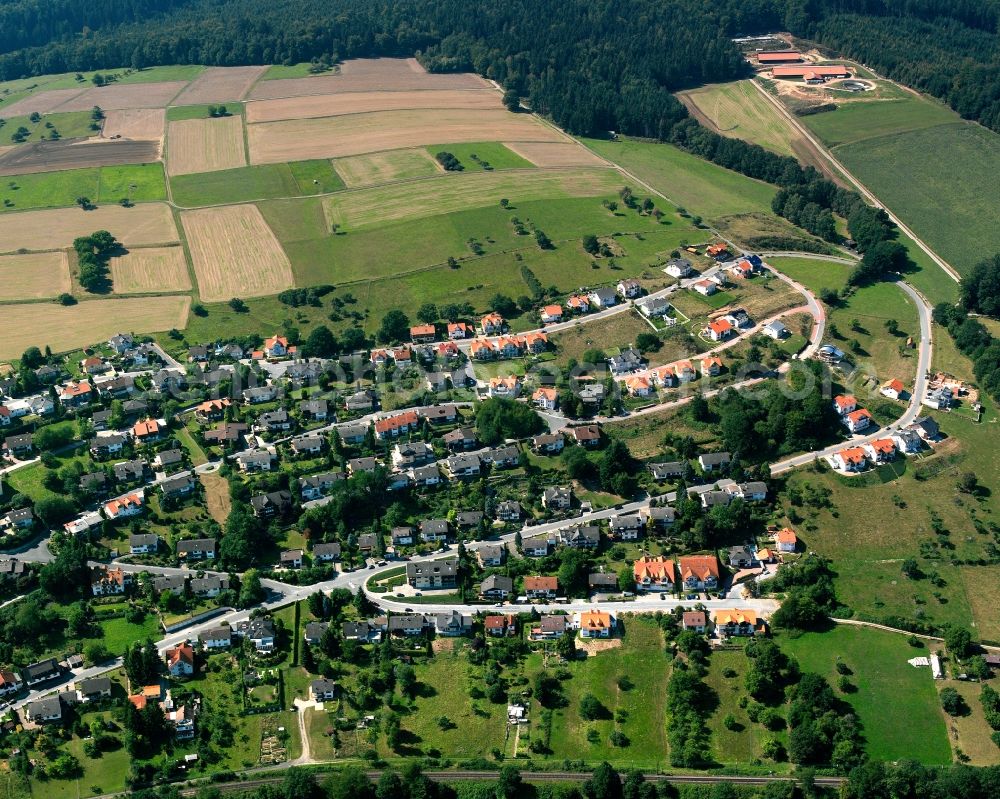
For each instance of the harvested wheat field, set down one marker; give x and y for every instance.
(555, 153)
(385, 167)
(219, 85)
(40, 103)
(150, 269)
(33, 276)
(205, 145)
(235, 253)
(135, 123)
(146, 223)
(300, 140)
(128, 95)
(460, 192)
(369, 75)
(331, 105)
(67, 328)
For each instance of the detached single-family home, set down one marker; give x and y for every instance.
(536, 547)
(845, 404)
(679, 268)
(541, 587)
(754, 491)
(216, 638)
(401, 536)
(730, 623)
(551, 313)
(10, 683)
(492, 323)
(881, 450)
(209, 586)
(775, 330)
(626, 527)
(196, 549)
(180, 660)
(852, 459)
(557, 498)
(699, 572)
(705, 287)
(496, 586)
(433, 574)
(291, 559)
(42, 711)
(587, 435)
(604, 297)
(500, 626)
(719, 330)
(308, 445)
(255, 460)
(314, 631)
(785, 540)
(654, 574)
(260, 633)
(710, 461)
(550, 628)
(653, 306)
(434, 530)
(315, 486)
(108, 581)
(423, 334)
(595, 624)
(858, 420)
(907, 440)
(630, 288)
(694, 620)
(545, 398)
(326, 553)
(322, 689)
(143, 543)
(452, 624)
(40, 672)
(124, 507)
(271, 504)
(603, 582)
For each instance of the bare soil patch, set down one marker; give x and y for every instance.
(555, 153)
(135, 123)
(41, 103)
(298, 140)
(368, 74)
(330, 105)
(146, 223)
(217, 496)
(67, 328)
(149, 270)
(594, 645)
(128, 95)
(235, 253)
(33, 276)
(220, 85)
(374, 168)
(205, 145)
(53, 156)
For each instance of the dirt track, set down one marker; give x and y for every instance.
(56, 155)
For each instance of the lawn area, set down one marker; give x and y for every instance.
(170, 72)
(701, 187)
(861, 119)
(612, 332)
(917, 188)
(743, 744)
(178, 113)
(971, 733)
(641, 658)
(28, 480)
(644, 434)
(120, 633)
(101, 184)
(926, 276)
(739, 111)
(897, 703)
(69, 125)
(493, 154)
(248, 183)
(106, 773)
(815, 274)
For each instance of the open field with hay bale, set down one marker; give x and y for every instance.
(220, 85)
(117, 96)
(369, 74)
(149, 223)
(249, 183)
(295, 140)
(41, 103)
(235, 253)
(135, 123)
(33, 276)
(460, 192)
(372, 169)
(330, 105)
(67, 328)
(555, 153)
(150, 269)
(205, 145)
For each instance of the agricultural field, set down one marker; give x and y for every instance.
(544, 154)
(860, 119)
(220, 85)
(140, 183)
(149, 223)
(450, 193)
(235, 253)
(740, 111)
(958, 178)
(52, 156)
(121, 95)
(68, 126)
(483, 156)
(205, 145)
(64, 328)
(33, 276)
(687, 181)
(135, 123)
(896, 703)
(330, 105)
(150, 270)
(294, 140)
(248, 183)
(372, 169)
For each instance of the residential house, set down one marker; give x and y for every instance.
(42, 711)
(413, 454)
(709, 499)
(439, 414)
(660, 516)
(549, 628)
(260, 633)
(133, 471)
(536, 547)
(601, 582)
(178, 486)
(326, 553)
(500, 626)
(168, 457)
(353, 434)
(143, 543)
(551, 314)
(94, 365)
(710, 461)
(668, 470)
(754, 491)
(579, 303)
(272, 504)
(434, 530)
(785, 540)
(548, 443)
(362, 465)
(775, 330)
(364, 631)
(216, 638)
(108, 581)
(37, 673)
(731, 623)
(679, 268)
(460, 330)
(469, 519)
(433, 574)
(881, 450)
(226, 433)
(505, 457)
(18, 519)
(492, 323)
(124, 507)
(845, 404)
(212, 410)
(684, 371)
(75, 395)
(360, 401)
(422, 334)
(509, 511)
(604, 297)
(858, 420)
(653, 306)
(452, 624)
(260, 394)
(314, 409)
(638, 385)
(740, 557)
(699, 572)
(719, 330)
(196, 549)
(314, 631)
(541, 587)
(907, 440)
(705, 287)
(586, 536)
(461, 438)
(428, 475)
(209, 586)
(939, 399)
(180, 660)
(397, 424)
(595, 624)
(255, 460)
(491, 555)
(628, 360)
(117, 387)
(176, 584)
(711, 366)
(277, 347)
(509, 386)
(587, 435)
(459, 466)
(557, 498)
(291, 559)
(322, 689)
(401, 536)
(496, 586)
(19, 446)
(93, 689)
(94, 483)
(926, 428)
(625, 527)
(308, 445)
(694, 620)
(654, 574)
(273, 421)
(545, 398)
